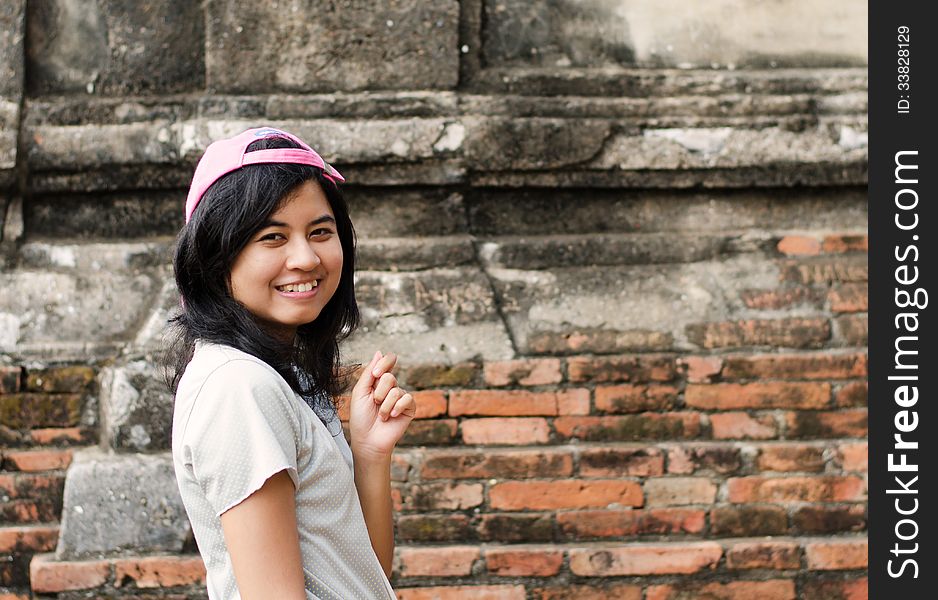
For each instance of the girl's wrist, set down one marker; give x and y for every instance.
(370, 456)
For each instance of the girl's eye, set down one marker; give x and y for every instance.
(270, 237)
(320, 232)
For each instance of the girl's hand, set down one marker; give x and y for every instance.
(379, 410)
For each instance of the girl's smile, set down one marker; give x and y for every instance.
(291, 267)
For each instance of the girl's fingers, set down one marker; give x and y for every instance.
(384, 385)
(384, 365)
(390, 400)
(406, 405)
(367, 378)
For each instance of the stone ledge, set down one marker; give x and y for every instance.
(485, 151)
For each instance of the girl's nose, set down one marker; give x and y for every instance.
(302, 256)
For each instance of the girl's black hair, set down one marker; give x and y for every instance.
(231, 211)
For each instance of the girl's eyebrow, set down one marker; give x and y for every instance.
(316, 221)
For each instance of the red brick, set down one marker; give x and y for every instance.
(584, 524)
(841, 423)
(401, 464)
(676, 491)
(430, 403)
(72, 378)
(518, 403)
(702, 369)
(630, 428)
(795, 366)
(523, 562)
(437, 561)
(742, 426)
(31, 511)
(463, 592)
(450, 527)
(774, 589)
(854, 329)
(799, 245)
(795, 489)
(32, 410)
(31, 486)
(786, 333)
(775, 394)
(764, 555)
(630, 398)
(820, 519)
(564, 493)
(621, 462)
(849, 298)
(57, 435)
(510, 431)
(845, 242)
(472, 464)
(748, 521)
(442, 496)
(608, 591)
(11, 380)
(853, 456)
(634, 368)
(601, 340)
(46, 575)
(791, 457)
(37, 460)
(778, 298)
(28, 539)
(430, 375)
(836, 589)
(719, 459)
(852, 394)
(823, 270)
(530, 371)
(430, 432)
(159, 571)
(837, 555)
(516, 527)
(645, 559)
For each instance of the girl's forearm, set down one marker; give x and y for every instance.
(373, 482)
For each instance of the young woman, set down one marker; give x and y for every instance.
(281, 505)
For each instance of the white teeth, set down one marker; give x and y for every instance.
(298, 287)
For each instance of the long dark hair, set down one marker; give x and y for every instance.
(231, 211)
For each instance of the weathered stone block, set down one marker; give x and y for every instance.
(434, 316)
(555, 34)
(136, 407)
(39, 307)
(652, 33)
(620, 308)
(115, 46)
(12, 27)
(556, 212)
(311, 45)
(116, 503)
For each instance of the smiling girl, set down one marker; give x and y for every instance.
(281, 505)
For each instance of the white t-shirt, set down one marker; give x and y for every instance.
(236, 423)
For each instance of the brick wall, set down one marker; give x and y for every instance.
(626, 275)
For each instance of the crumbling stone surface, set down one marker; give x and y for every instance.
(315, 46)
(136, 407)
(12, 27)
(738, 33)
(115, 47)
(121, 502)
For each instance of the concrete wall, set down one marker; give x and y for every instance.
(619, 246)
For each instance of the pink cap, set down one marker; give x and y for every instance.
(227, 155)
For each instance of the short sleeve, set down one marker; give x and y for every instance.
(243, 428)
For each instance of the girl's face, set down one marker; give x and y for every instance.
(291, 267)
